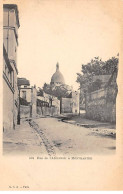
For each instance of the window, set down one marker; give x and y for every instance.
(24, 95)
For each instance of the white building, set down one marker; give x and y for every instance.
(10, 71)
(25, 89)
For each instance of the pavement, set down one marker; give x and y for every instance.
(23, 140)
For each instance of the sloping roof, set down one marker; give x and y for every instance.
(23, 81)
(103, 78)
(113, 78)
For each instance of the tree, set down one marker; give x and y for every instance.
(47, 88)
(111, 65)
(57, 91)
(85, 81)
(40, 92)
(95, 67)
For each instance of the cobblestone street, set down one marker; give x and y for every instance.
(49, 136)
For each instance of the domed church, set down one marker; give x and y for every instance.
(60, 95)
(57, 78)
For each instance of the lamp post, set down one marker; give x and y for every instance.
(18, 118)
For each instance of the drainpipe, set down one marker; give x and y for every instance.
(8, 35)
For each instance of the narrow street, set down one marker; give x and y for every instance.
(51, 137)
(62, 138)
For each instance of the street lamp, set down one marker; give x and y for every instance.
(18, 117)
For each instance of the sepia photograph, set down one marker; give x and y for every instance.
(64, 103)
(60, 80)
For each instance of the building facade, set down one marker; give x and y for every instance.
(27, 98)
(71, 104)
(10, 71)
(24, 88)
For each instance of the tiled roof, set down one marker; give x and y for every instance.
(103, 78)
(23, 81)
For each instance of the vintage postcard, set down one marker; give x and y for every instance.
(61, 95)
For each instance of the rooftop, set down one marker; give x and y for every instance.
(23, 81)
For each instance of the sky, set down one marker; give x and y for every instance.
(70, 32)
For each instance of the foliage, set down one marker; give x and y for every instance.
(40, 92)
(96, 67)
(111, 65)
(57, 91)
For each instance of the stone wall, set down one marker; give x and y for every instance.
(100, 106)
(48, 111)
(24, 111)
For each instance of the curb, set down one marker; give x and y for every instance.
(113, 135)
(84, 125)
